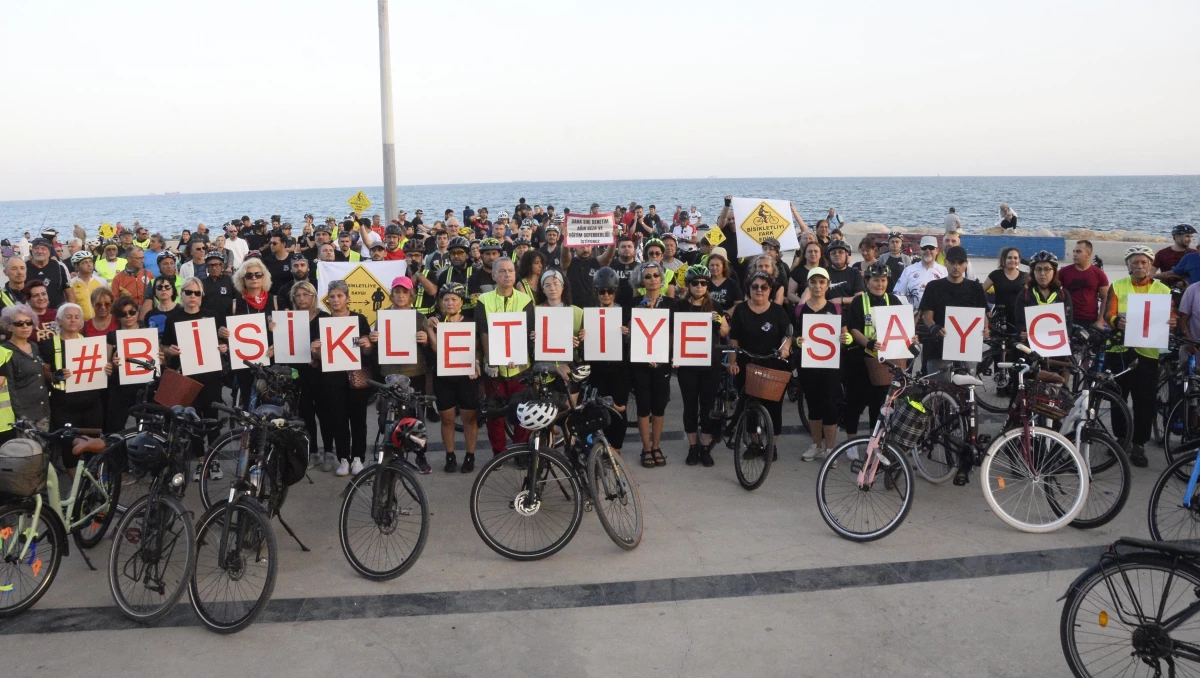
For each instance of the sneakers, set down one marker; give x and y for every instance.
(1137, 457)
(423, 465)
(813, 452)
(468, 463)
(196, 473)
(215, 472)
(314, 460)
(330, 462)
(451, 463)
(343, 468)
(356, 466)
(693, 456)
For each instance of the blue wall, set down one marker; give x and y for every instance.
(989, 246)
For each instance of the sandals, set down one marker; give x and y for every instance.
(659, 458)
(652, 458)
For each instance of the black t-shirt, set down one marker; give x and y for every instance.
(281, 271)
(686, 306)
(218, 297)
(844, 283)
(654, 221)
(555, 257)
(55, 278)
(181, 316)
(759, 333)
(942, 293)
(255, 241)
(1006, 291)
(727, 293)
(481, 281)
(624, 272)
(579, 281)
(314, 328)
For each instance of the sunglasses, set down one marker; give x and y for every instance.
(254, 275)
(760, 288)
(165, 287)
(606, 290)
(22, 323)
(651, 276)
(929, 249)
(193, 293)
(131, 313)
(699, 283)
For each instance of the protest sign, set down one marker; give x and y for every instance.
(508, 339)
(198, 346)
(1046, 327)
(693, 339)
(138, 344)
(397, 337)
(247, 340)
(588, 230)
(648, 335)
(822, 341)
(758, 220)
(1147, 318)
(370, 283)
(602, 334)
(340, 351)
(292, 335)
(359, 202)
(554, 332)
(894, 330)
(964, 334)
(455, 349)
(85, 358)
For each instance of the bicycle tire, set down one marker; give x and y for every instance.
(208, 574)
(1162, 402)
(1168, 518)
(752, 459)
(939, 465)
(993, 476)
(1182, 427)
(838, 488)
(220, 452)
(1116, 408)
(991, 397)
(125, 575)
(44, 556)
(507, 484)
(1108, 488)
(615, 495)
(1090, 614)
(361, 489)
(110, 477)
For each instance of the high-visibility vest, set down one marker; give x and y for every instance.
(419, 300)
(494, 303)
(109, 271)
(868, 322)
(58, 362)
(7, 417)
(1122, 289)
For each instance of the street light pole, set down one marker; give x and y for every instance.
(391, 206)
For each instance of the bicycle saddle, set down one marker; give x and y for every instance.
(965, 380)
(84, 444)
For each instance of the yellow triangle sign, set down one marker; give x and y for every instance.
(359, 202)
(367, 294)
(714, 236)
(764, 222)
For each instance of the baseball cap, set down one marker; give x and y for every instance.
(379, 244)
(402, 281)
(956, 253)
(929, 241)
(296, 256)
(818, 271)
(41, 242)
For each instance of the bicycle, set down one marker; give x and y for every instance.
(147, 573)
(384, 519)
(532, 508)
(745, 425)
(33, 530)
(238, 555)
(1131, 613)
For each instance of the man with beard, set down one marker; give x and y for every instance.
(456, 272)
(392, 243)
(916, 276)
(551, 248)
(277, 261)
(52, 272)
(324, 236)
(481, 280)
(299, 273)
(581, 266)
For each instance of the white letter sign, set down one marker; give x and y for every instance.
(894, 330)
(139, 344)
(455, 349)
(822, 345)
(198, 344)
(588, 230)
(1047, 330)
(648, 340)
(85, 357)
(339, 344)
(397, 337)
(293, 340)
(964, 334)
(247, 340)
(1146, 321)
(602, 334)
(554, 329)
(693, 339)
(508, 339)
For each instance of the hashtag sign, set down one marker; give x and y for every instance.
(93, 361)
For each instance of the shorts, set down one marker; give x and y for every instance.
(452, 392)
(652, 389)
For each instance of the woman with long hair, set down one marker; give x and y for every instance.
(698, 384)
(1007, 282)
(456, 393)
(813, 257)
(869, 250)
(121, 397)
(723, 285)
(529, 271)
(765, 263)
(185, 241)
(303, 297)
(346, 406)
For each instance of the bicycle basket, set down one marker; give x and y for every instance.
(176, 389)
(908, 424)
(22, 468)
(1051, 400)
(765, 383)
(591, 418)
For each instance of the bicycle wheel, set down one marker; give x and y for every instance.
(134, 486)
(152, 558)
(935, 459)
(1169, 518)
(615, 495)
(27, 573)
(1108, 489)
(92, 498)
(1113, 619)
(219, 468)
(1182, 427)
(753, 446)
(1038, 489)
(1162, 401)
(864, 510)
(995, 394)
(520, 522)
(383, 543)
(231, 587)
(1112, 415)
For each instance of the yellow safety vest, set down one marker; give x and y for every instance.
(58, 362)
(1038, 298)
(494, 303)
(419, 300)
(109, 271)
(1122, 289)
(7, 417)
(868, 322)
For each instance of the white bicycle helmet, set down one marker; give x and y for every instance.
(80, 256)
(1139, 249)
(581, 372)
(536, 415)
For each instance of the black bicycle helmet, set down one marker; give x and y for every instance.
(877, 270)
(453, 288)
(522, 241)
(145, 453)
(1183, 229)
(696, 272)
(393, 230)
(606, 278)
(840, 245)
(414, 245)
(1043, 257)
(460, 243)
(490, 244)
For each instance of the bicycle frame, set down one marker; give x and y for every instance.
(1128, 617)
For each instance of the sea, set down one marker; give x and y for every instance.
(1139, 204)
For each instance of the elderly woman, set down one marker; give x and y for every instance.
(303, 297)
(24, 371)
(102, 322)
(82, 408)
(192, 294)
(165, 302)
(346, 406)
(253, 283)
(121, 397)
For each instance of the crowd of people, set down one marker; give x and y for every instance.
(463, 267)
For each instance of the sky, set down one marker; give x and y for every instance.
(126, 97)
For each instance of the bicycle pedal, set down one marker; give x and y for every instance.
(985, 439)
(587, 506)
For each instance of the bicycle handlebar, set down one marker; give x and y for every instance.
(145, 364)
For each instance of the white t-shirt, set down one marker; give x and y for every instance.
(694, 218)
(683, 234)
(239, 249)
(913, 280)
